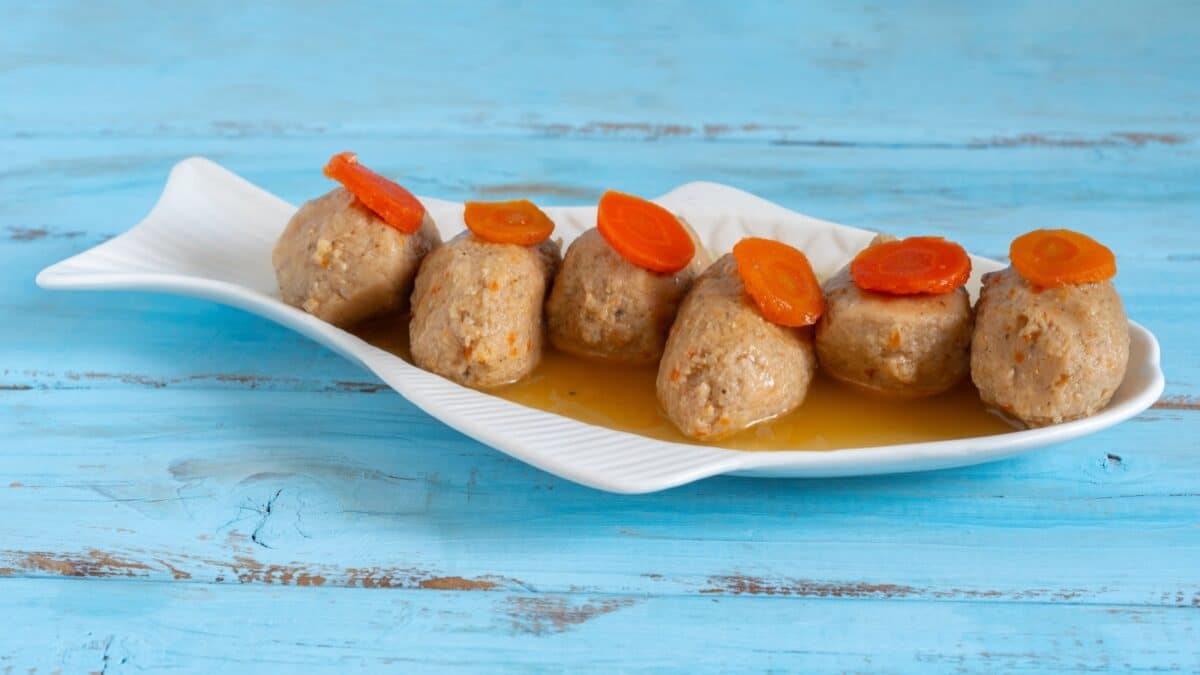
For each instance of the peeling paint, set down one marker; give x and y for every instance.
(457, 584)
(375, 577)
(359, 387)
(35, 233)
(1133, 138)
(556, 614)
(1141, 138)
(739, 584)
(233, 539)
(176, 573)
(749, 585)
(654, 131)
(248, 571)
(1177, 403)
(241, 128)
(126, 378)
(786, 135)
(94, 563)
(249, 381)
(242, 568)
(547, 189)
(536, 615)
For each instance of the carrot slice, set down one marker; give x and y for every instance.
(644, 233)
(780, 280)
(1050, 258)
(513, 222)
(911, 266)
(392, 203)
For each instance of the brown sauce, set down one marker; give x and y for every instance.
(833, 415)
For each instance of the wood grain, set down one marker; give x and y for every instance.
(129, 626)
(376, 498)
(837, 72)
(187, 487)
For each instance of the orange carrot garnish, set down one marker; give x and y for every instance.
(392, 203)
(1050, 258)
(515, 222)
(644, 233)
(780, 280)
(911, 266)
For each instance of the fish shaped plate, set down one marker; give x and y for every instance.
(211, 233)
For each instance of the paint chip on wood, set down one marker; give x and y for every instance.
(556, 614)
(1177, 403)
(457, 584)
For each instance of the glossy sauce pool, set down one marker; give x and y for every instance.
(833, 415)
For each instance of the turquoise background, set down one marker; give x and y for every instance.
(187, 487)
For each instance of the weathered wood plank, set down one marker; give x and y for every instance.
(121, 627)
(105, 187)
(306, 519)
(217, 486)
(245, 462)
(1025, 73)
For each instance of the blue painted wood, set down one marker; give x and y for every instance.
(224, 495)
(166, 625)
(883, 73)
(126, 627)
(375, 492)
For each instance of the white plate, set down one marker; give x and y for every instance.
(210, 236)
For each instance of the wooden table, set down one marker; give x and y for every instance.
(187, 487)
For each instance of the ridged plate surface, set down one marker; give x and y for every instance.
(210, 236)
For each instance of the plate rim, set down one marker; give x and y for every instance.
(861, 461)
